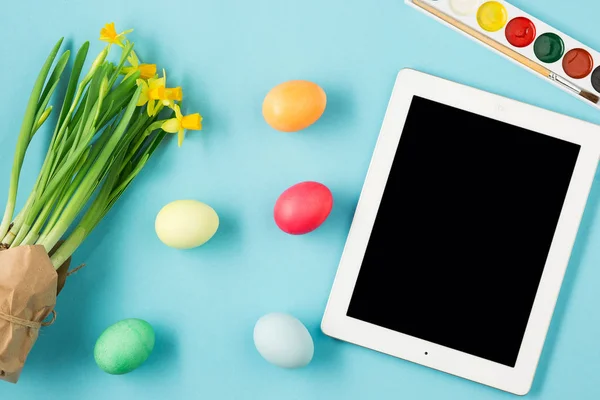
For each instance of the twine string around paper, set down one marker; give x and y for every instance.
(34, 324)
(28, 324)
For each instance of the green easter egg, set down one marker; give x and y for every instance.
(124, 346)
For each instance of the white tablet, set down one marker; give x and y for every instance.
(463, 231)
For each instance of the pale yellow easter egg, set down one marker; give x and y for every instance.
(185, 224)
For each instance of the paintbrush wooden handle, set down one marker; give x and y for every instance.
(481, 37)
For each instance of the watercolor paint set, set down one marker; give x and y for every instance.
(523, 39)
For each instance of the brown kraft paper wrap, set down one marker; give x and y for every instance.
(28, 288)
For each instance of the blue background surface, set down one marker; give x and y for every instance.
(203, 303)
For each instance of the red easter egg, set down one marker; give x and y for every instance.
(303, 207)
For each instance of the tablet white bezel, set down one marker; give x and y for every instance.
(337, 324)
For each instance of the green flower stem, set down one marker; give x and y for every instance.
(82, 193)
(93, 105)
(113, 188)
(124, 54)
(24, 140)
(84, 135)
(51, 85)
(34, 232)
(64, 121)
(101, 142)
(53, 208)
(16, 225)
(64, 251)
(73, 83)
(70, 189)
(82, 230)
(81, 173)
(68, 106)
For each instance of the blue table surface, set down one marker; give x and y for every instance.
(203, 303)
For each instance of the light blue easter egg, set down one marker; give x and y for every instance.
(283, 340)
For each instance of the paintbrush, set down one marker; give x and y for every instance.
(540, 69)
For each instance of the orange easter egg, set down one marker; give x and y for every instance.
(294, 105)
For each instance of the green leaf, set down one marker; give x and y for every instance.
(41, 120)
(25, 138)
(82, 194)
(132, 168)
(53, 80)
(42, 109)
(118, 98)
(130, 176)
(96, 211)
(124, 54)
(76, 119)
(91, 109)
(73, 81)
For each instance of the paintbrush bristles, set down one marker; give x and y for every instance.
(590, 96)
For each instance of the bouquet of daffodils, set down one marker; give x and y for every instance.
(107, 127)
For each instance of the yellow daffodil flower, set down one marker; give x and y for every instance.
(180, 123)
(149, 86)
(109, 34)
(168, 96)
(147, 71)
(155, 90)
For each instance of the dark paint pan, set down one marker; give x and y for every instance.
(596, 79)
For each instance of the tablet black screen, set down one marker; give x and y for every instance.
(463, 231)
